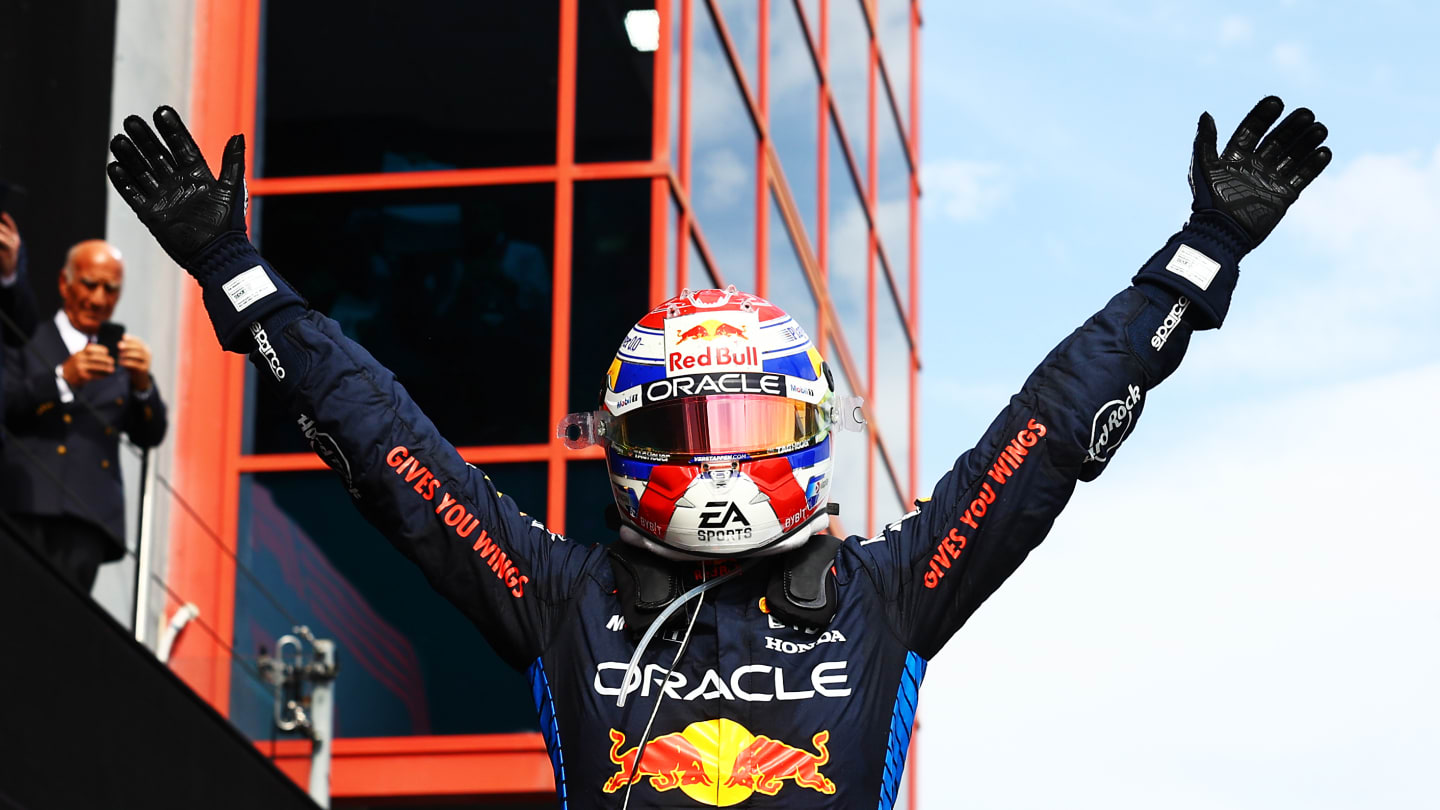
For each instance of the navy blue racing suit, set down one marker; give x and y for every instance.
(757, 713)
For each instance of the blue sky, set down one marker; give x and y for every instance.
(1242, 612)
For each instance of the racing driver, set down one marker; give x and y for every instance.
(761, 662)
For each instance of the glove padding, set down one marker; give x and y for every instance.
(199, 220)
(1238, 197)
(1255, 180)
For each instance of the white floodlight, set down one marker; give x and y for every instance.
(643, 26)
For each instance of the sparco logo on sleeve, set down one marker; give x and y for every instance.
(262, 342)
(1172, 320)
(1112, 424)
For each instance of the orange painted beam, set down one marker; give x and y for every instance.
(474, 766)
(660, 153)
(564, 246)
(479, 455)
(453, 178)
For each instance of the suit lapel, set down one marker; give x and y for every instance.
(48, 345)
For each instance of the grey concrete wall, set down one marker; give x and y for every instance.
(154, 52)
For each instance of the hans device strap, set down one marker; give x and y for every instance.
(801, 590)
(647, 583)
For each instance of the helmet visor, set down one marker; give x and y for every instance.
(719, 424)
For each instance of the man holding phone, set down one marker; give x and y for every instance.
(70, 391)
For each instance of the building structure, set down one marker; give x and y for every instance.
(487, 196)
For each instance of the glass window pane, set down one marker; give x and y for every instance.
(849, 72)
(852, 461)
(724, 169)
(411, 660)
(697, 272)
(672, 247)
(794, 110)
(420, 278)
(892, 209)
(892, 388)
(893, 18)
(742, 20)
(610, 285)
(441, 85)
(614, 83)
(587, 497)
(848, 275)
(789, 288)
(812, 17)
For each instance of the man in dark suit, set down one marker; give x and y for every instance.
(66, 402)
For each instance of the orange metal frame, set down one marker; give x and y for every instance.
(454, 768)
(209, 462)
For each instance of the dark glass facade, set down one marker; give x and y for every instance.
(487, 196)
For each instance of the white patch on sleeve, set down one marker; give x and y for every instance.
(1194, 266)
(248, 287)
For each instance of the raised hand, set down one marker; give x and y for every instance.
(9, 245)
(200, 221)
(172, 190)
(1254, 181)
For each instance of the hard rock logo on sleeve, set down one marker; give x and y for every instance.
(1112, 424)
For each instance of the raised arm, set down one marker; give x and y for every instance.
(17, 302)
(499, 566)
(1078, 407)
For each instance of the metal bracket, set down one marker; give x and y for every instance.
(289, 671)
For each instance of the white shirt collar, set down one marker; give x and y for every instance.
(73, 338)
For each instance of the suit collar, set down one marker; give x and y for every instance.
(73, 338)
(48, 343)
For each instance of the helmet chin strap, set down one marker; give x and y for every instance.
(819, 523)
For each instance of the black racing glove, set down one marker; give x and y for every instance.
(199, 221)
(1238, 198)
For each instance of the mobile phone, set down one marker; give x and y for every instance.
(10, 196)
(109, 337)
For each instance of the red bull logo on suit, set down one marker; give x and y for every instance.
(719, 763)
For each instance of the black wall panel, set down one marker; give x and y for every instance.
(89, 718)
(55, 74)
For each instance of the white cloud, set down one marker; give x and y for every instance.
(1381, 207)
(1239, 614)
(963, 190)
(723, 176)
(1292, 58)
(1236, 29)
(1352, 278)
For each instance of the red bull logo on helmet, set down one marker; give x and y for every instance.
(704, 342)
(720, 763)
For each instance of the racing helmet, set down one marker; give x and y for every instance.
(716, 417)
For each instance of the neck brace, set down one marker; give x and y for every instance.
(801, 590)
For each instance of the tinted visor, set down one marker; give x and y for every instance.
(719, 424)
